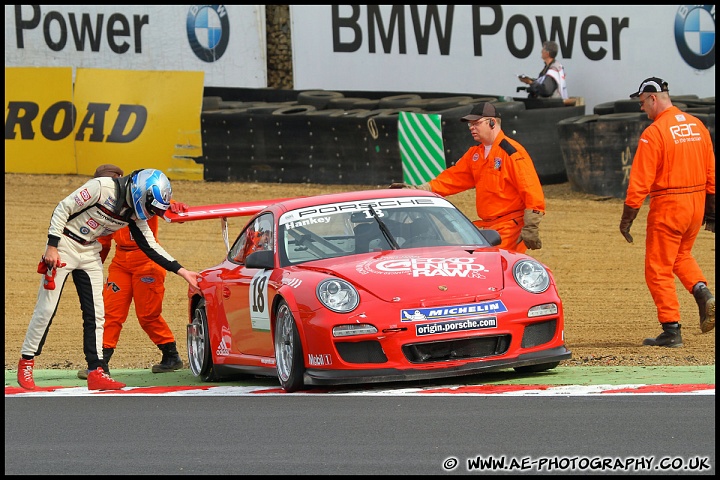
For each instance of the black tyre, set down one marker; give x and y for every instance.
(605, 108)
(537, 368)
(623, 117)
(288, 350)
(211, 103)
(580, 119)
(268, 108)
(294, 110)
(397, 101)
(350, 103)
(317, 98)
(328, 112)
(198, 345)
(627, 106)
(474, 100)
(509, 110)
(444, 103)
(386, 112)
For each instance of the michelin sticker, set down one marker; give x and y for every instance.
(456, 311)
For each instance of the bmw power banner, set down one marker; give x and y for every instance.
(607, 50)
(226, 42)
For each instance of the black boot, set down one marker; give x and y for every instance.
(670, 337)
(706, 304)
(170, 359)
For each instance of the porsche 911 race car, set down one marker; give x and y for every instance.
(368, 286)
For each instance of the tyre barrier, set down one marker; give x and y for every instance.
(598, 153)
(306, 137)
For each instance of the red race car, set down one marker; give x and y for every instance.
(368, 286)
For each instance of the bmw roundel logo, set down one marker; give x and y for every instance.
(208, 31)
(695, 35)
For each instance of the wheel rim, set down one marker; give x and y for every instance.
(196, 342)
(284, 343)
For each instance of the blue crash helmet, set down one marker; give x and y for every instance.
(151, 193)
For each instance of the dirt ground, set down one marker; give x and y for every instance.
(608, 309)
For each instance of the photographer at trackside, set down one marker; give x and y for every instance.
(550, 82)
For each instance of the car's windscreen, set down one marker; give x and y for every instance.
(349, 228)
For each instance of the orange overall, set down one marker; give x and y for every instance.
(132, 276)
(674, 165)
(506, 184)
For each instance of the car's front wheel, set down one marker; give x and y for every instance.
(198, 345)
(288, 350)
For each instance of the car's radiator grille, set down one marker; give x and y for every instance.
(361, 352)
(538, 333)
(457, 349)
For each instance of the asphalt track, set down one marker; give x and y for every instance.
(599, 420)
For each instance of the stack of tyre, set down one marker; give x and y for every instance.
(598, 149)
(332, 137)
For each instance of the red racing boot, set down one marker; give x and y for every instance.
(25, 374)
(99, 380)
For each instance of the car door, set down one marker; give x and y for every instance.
(245, 292)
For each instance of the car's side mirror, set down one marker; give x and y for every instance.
(492, 236)
(262, 259)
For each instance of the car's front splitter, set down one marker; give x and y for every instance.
(381, 375)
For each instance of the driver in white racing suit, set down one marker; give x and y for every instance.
(100, 207)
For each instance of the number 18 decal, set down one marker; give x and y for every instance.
(259, 307)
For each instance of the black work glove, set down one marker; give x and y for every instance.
(530, 233)
(709, 218)
(628, 216)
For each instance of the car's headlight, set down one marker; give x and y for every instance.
(338, 295)
(531, 275)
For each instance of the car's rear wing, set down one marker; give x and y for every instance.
(221, 211)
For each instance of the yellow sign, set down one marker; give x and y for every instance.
(36, 102)
(134, 119)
